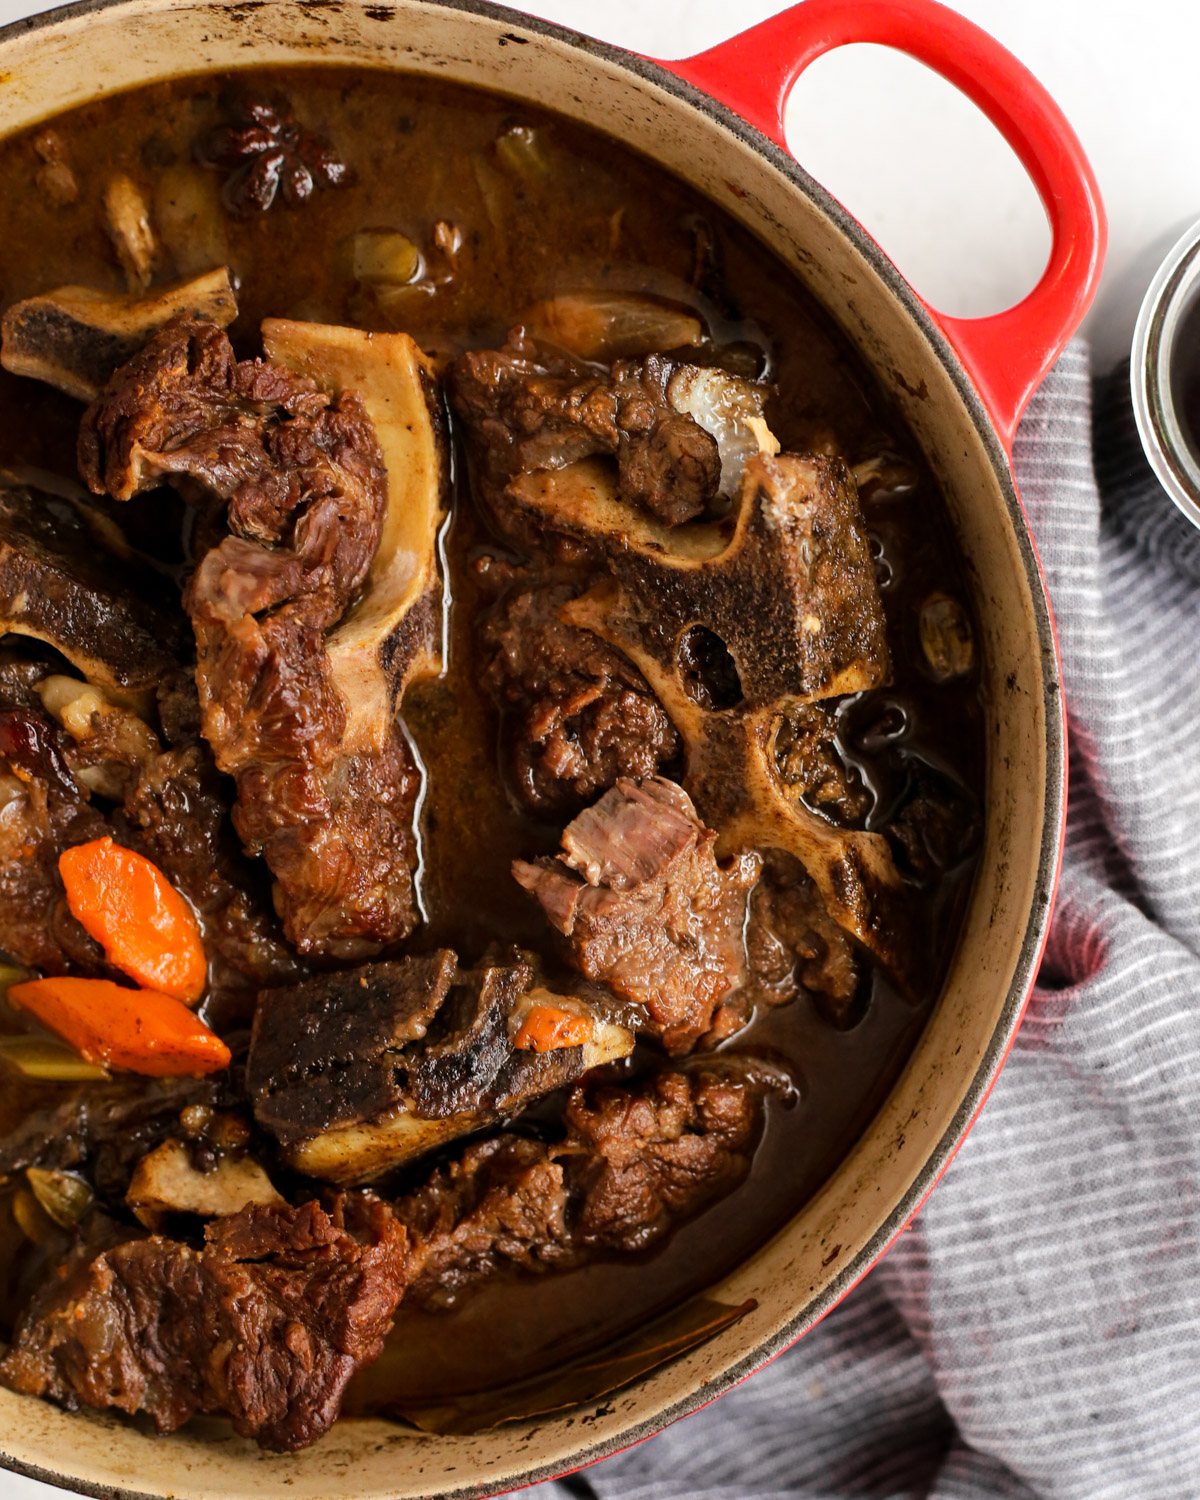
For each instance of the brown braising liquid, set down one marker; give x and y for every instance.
(1185, 377)
(600, 216)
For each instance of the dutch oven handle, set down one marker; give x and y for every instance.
(1009, 354)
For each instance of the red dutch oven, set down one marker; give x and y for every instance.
(715, 120)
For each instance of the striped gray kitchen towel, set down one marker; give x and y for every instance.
(1037, 1331)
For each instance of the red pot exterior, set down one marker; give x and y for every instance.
(1008, 355)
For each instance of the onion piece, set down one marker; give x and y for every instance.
(891, 478)
(56, 181)
(127, 219)
(946, 637)
(495, 192)
(401, 302)
(612, 325)
(32, 1219)
(522, 152)
(12, 974)
(729, 408)
(190, 219)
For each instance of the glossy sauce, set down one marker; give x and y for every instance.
(600, 216)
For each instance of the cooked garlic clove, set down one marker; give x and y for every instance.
(65, 1197)
(946, 637)
(611, 325)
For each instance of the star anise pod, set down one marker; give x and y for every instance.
(266, 152)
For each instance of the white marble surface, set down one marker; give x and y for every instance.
(932, 179)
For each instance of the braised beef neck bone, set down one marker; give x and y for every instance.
(359, 1072)
(644, 907)
(75, 337)
(733, 775)
(634, 1161)
(787, 585)
(59, 585)
(266, 1324)
(392, 635)
(791, 598)
(302, 474)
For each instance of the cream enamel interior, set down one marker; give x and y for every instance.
(52, 66)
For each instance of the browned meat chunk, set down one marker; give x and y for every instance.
(59, 584)
(576, 713)
(936, 824)
(811, 765)
(358, 1072)
(646, 909)
(42, 812)
(771, 777)
(634, 1162)
(267, 1323)
(503, 1203)
(794, 944)
(171, 808)
(637, 1160)
(526, 409)
(303, 479)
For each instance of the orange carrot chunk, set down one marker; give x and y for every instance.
(137, 916)
(138, 1030)
(547, 1028)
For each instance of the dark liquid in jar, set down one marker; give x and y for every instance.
(1185, 378)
